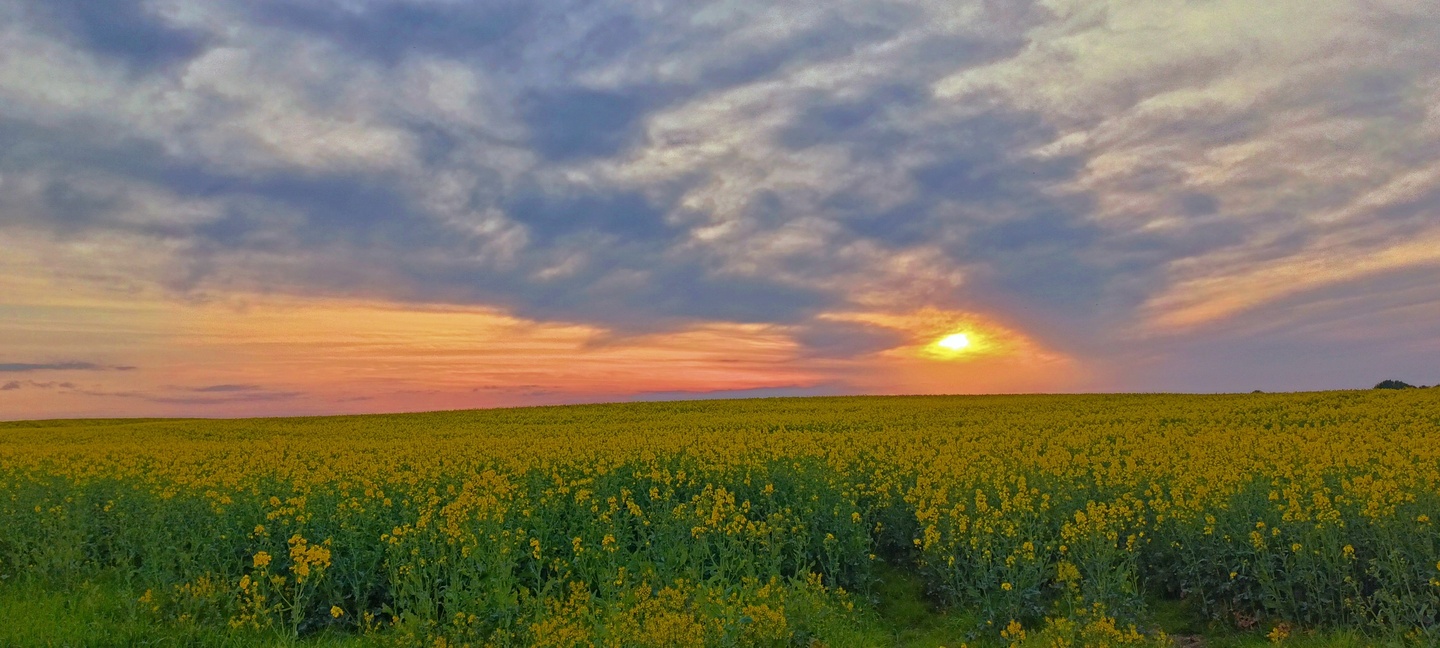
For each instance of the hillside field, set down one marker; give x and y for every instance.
(1157, 520)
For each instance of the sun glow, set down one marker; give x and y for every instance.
(954, 336)
(954, 342)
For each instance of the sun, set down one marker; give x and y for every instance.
(954, 342)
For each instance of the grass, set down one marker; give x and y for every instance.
(1179, 620)
(104, 613)
(909, 618)
(907, 615)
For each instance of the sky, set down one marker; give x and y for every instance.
(266, 207)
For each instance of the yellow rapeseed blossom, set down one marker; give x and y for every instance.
(1065, 502)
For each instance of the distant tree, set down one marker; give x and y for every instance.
(1393, 384)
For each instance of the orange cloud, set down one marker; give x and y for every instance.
(1210, 297)
(339, 355)
(242, 355)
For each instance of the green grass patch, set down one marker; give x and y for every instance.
(102, 614)
(908, 616)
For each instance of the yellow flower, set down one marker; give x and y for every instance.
(336, 612)
(262, 559)
(1067, 572)
(1013, 631)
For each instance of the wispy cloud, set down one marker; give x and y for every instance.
(255, 397)
(18, 367)
(36, 384)
(224, 389)
(762, 392)
(195, 396)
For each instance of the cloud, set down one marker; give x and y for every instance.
(842, 339)
(32, 384)
(765, 392)
(124, 29)
(15, 367)
(583, 123)
(208, 395)
(264, 397)
(1275, 126)
(1093, 173)
(391, 31)
(225, 388)
(519, 231)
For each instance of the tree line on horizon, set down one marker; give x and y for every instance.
(1397, 384)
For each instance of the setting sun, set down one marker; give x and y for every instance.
(954, 342)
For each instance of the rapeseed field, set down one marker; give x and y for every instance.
(1046, 520)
